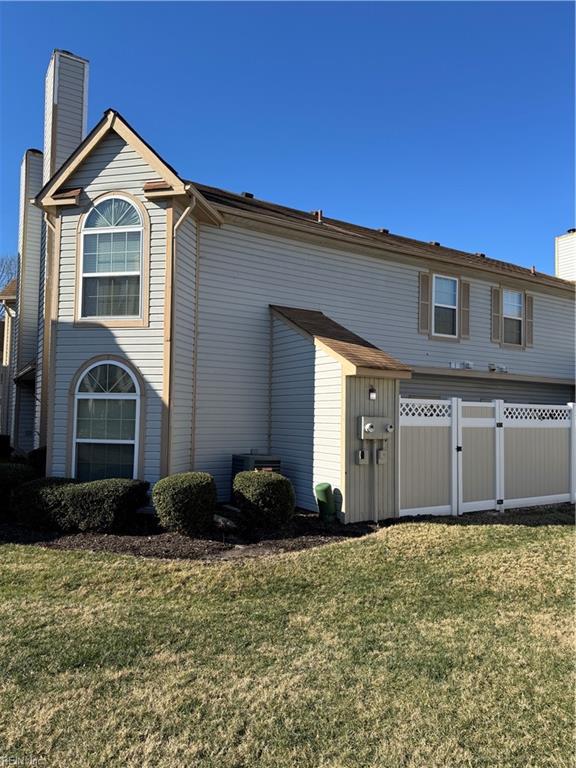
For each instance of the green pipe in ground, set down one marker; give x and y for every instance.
(325, 500)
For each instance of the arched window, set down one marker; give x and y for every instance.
(112, 260)
(106, 422)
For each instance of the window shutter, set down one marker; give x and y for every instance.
(424, 303)
(464, 310)
(496, 333)
(529, 331)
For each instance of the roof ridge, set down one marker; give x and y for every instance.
(382, 238)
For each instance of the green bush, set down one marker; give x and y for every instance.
(37, 460)
(265, 499)
(185, 502)
(65, 504)
(100, 505)
(39, 503)
(5, 447)
(13, 475)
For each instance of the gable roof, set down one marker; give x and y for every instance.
(319, 224)
(9, 291)
(345, 344)
(54, 192)
(211, 202)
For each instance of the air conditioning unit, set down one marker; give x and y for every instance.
(244, 462)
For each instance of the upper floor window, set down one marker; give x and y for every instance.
(445, 306)
(512, 316)
(112, 260)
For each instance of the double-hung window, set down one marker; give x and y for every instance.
(512, 316)
(111, 283)
(445, 306)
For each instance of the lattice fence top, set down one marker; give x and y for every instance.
(426, 409)
(536, 413)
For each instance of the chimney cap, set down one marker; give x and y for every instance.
(69, 53)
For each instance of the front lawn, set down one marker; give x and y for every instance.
(422, 646)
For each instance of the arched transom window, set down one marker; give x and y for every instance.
(107, 414)
(112, 260)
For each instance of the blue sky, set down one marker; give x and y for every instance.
(442, 121)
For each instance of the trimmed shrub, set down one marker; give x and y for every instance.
(100, 505)
(37, 460)
(39, 503)
(265, 499)
(185, 502)
(67, 505)
(13, 475)
(5, 448)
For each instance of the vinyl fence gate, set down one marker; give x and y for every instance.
(458, 456)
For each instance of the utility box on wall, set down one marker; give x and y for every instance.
(371, 413)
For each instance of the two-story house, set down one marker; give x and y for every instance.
(163, 324)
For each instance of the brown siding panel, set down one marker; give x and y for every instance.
(424, 303)
(464, 310)
(496, 326)
(529, 321)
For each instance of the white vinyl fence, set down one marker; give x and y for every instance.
(458, 456)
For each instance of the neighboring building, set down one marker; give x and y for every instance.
(165, 325)
(566, 256)
(8, 301)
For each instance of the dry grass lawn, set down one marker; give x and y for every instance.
(421, 646)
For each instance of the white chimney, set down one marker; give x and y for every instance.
(29, 249)
(65, 116)
(65, 109)
(566, 255)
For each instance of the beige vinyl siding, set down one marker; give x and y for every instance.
(359, 501)
(445, 387)
(292, 408)
(566, 256)
(143, 347)
(328, 415)
(183, 308)
(244, 270)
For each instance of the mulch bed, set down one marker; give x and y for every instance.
(145, 539)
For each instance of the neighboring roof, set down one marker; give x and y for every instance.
(9, 291)
(354, 349)
(316, 221)
(26, 373)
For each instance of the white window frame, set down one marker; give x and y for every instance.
(106, 396)
(513, 317)
(108, 230)
(447, 306)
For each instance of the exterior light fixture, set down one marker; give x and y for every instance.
(372, 393)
